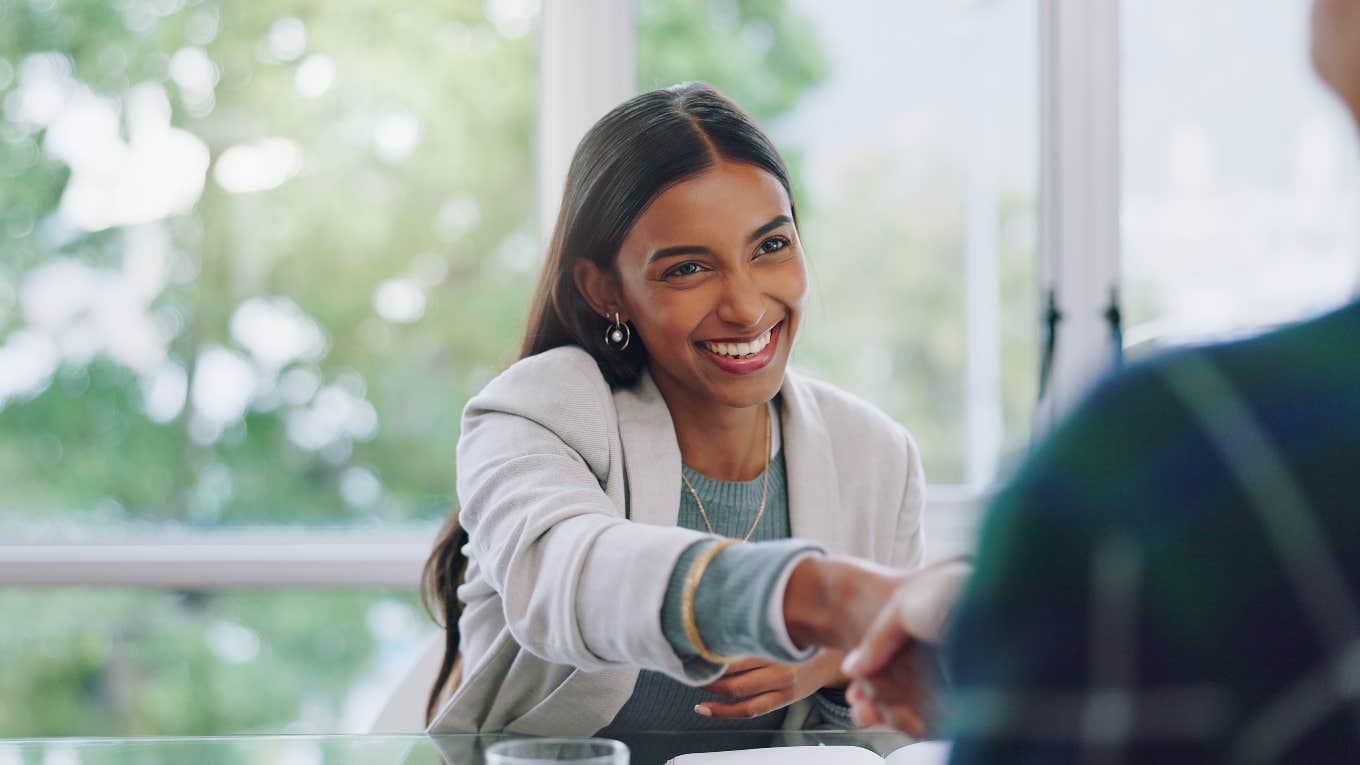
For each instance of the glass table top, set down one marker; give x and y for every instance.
(456, 749)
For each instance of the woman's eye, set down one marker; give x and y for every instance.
(773, 244)
(684, 269)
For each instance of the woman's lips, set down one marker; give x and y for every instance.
(745, 364)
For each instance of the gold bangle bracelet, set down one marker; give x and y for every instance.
(687, 597)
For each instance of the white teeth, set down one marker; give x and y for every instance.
(740, 350)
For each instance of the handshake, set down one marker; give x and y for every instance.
(889, 621)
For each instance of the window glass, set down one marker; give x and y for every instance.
(261, 253)
(1239, 172)
(125, 662)
(911, 129)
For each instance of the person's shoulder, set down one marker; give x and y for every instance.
(1132, 418)
(1302, 353)
(1120, 414)
(1340, 322)
(560, 379)
(570, 360)
(1090, 464)
(1310, 353)
(562, 391)
(849, 418)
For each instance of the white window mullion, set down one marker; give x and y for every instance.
(586, 67)
(1080, 181)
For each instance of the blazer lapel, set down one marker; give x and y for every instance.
(651, 458)
(651, 455)
(814, 485)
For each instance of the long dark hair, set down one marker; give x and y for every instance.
(444, 571)
(643, 147)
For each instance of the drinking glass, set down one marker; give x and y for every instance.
(550, 751)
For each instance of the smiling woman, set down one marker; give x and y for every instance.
(651, 416)
(717, 315)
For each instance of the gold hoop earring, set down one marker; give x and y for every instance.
(617, 335)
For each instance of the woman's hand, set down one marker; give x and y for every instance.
(764, 686)
(832, 601)
(917, 611)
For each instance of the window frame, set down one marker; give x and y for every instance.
(587, 64)
(222, 560)
(1079, 196)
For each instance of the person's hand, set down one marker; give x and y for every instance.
(903, 695)
(917, 611)
(762, 687)
(832, 601)
(893, 669)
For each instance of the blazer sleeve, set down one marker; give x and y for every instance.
(580, 584)
(909, 537)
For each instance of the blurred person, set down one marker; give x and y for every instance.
(608, 479)
(1174, 577)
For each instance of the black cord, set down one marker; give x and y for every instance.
(1052, 316)
(1114, 317)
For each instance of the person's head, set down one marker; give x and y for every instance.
(1336, 48)
(678, 216)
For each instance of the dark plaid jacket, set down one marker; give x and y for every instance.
(1174, 577)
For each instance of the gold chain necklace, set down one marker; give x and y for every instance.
(764, 488)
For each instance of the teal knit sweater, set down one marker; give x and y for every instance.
(730, 604)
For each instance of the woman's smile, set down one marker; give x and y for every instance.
(741, 356)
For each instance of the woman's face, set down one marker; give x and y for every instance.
(712, 277)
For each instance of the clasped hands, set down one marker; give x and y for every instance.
(889, 622)
(894, 668)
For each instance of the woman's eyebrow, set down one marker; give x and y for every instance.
(774, 223)
(684, 249)
(694, 249)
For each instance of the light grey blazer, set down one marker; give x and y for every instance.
(570, 493)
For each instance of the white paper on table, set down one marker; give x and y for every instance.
(922, 753)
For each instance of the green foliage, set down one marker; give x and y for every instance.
(757, 52)
(886, 314)
(123, 662)
(324, 239)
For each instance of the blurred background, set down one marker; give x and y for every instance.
(255, 257)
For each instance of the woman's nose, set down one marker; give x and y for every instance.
(743, 301)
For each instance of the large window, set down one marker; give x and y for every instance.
(254, 257)
(1240, 177)
(118, 662)
(253, 261)
(911, 129)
